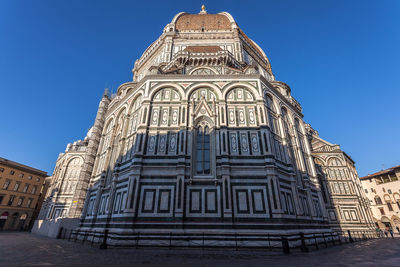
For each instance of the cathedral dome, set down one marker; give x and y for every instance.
(202, 22)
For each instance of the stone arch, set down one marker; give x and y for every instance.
(378, 200)
(387, 198)
(204, 118)
(252, 90)
(320, 161)
(120, 118)
(213, 88)
(203, 67)
(396, 197)
(203, 148)
(289, 113)
(396, 220)
(108, 123)
(72, 172)
(154, 90)
(273, 103)
(129, 90)
(134, 101)
(298, 125)
(248, 96)
(334, 161)
(163, 92)
(208, 93)
(68, 161)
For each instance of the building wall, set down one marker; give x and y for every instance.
(383, 192)
(203, 140)
(347, 205)
(20, 190)
(145, 176)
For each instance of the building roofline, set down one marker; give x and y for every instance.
(22, 167)
(380, 172)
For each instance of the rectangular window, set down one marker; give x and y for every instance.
(12, 172)
(6, 184)
(34, 188)
(1, 169)
(366, 191)
(382, 211)
(389, 191)
(16, 186)
(1, 200)
(30, 177)
(28, 204)
(11, 200)
(20, 200)
(389, 205)
(25, 189)
(21, 175)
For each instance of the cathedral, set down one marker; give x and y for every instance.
(203, 141)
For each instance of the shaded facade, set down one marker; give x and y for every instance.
(347, 205)
(21, 191)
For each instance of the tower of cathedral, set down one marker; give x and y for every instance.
(204, 140)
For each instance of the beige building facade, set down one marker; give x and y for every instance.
(383, 191)
(21, 191)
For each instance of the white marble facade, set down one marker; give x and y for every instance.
(203, 140)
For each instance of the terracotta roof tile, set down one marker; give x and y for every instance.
(380, 172)
(189, 22)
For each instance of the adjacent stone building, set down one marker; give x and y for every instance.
(69, 183)
(203, 142)
(383, 190)
(21, 189)
(347, 205)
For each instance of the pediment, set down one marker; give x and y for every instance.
(203, 109)
(320, 145)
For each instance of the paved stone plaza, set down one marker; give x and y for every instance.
(20, 249)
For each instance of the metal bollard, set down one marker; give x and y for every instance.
(59, 233)
(285, 245)
(350, 238)
(104, 244)
(303, 247)
(316, 241)
(339, 239)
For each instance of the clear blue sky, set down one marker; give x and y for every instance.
(341, 59)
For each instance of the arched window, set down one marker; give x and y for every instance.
(302, 145)
(105, 142)
(334, 162)
(203, 151)
(378, 200)
(71, 174)
(271, 114)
